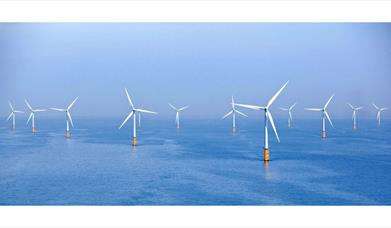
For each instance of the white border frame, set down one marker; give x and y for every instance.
(195, 11)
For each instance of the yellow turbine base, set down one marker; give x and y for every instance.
(67, 134)
(266, 155)
(134, 141)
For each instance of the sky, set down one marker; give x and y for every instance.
(196, 64)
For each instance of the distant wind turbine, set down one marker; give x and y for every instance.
(68, 116)
(379, 110)
(32, 115)
(268, 118)
(13, 114)
(233, 113)
(354, 116)
(325, 115)
(177, 113)
(133, 112)
(289, 113)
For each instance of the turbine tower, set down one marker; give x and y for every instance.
(354, 115)
(13, 114)
(68, 116)
(133, 112)
(289, 113)
(379, 110)
(233, 112)
(32, 116)
(177, 113)
(325, 115)
(268, 118)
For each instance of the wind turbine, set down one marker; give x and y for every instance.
(32, 115)
(233, 112)
(354, 114)
(133, 112)
(325, 115)
(268, 118)
(177, 113)
(68, 116)
(13, 114)
(379, 110)
(289, 113)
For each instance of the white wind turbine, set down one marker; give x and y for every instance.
(268, 118)
(379, 110)
(233, 112)
(13, 114)
(325, 115)
(354, 114)
(133, 112)
(68, 116)
(32, 115)
(289, 113)
(177, 113)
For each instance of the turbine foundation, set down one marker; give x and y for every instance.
(266, 155)
(33, 130)
(134, 141)
(233, 130)
(323, 135)
(67, 134)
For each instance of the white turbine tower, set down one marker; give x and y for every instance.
(177, 113)
(32, 116)
(68, 116)
(133, 112)
(379, 110)
(233, 112)
(325, 115)
(289, 113)
(268, 118)
(354, 116)
(13, 114)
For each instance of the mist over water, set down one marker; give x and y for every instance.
(201, 163)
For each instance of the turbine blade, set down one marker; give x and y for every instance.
(293, 106)
(284, 109)
(70, 118)
(28, 105)
(241, 113)
(143, 110)
(130, 101)
(127, 118)
(328, 102)
(276, 95)
(9, 103)
(351, 106)
(9, 117)
(378, 115)
(58, 109)
(269, 115)
(31, 115)
(183, 108)
(313, 109)
(328, 117)
(253, 107)
(18, 111)
(172, 106)
(39, 110)
(375, 106)
(384, 109)
(290, 115)
(70, 106)
(229, 113)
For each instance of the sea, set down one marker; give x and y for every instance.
(201, 163)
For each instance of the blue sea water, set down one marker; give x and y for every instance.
(201, 163)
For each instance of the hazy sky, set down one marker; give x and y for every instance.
(200, 65)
